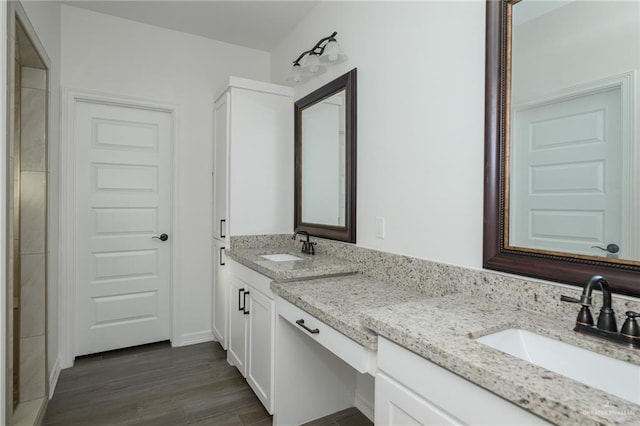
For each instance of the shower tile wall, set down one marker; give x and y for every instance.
(33, 201)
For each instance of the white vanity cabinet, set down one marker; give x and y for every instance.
(409, 390)
(252, 329)
(252, 174)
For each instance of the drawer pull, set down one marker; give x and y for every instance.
(300, 322)
(244, 308)
(240, 307)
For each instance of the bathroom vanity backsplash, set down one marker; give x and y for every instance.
(437, 279)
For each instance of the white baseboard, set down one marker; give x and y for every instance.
(54, 375)
(194, 338)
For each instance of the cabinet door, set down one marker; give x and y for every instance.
(221, 168)
(220, 294)
(261, 347)
(397, 405)
(238, 298)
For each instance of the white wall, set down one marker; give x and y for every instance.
(118, 56)
(420, 119)
(45, 18)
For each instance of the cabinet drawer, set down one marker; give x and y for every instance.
(354, 354)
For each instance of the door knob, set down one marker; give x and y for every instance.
(162, 237)
(611, 248)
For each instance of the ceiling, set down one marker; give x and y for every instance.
(255, 24)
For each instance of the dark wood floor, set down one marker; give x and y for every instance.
(163, 386)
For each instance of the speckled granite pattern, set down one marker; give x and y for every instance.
(441, 330)
(340, 302)
(308, 267)
(259, 241)
(432, 278)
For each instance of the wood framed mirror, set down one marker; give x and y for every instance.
(561, 231)
(325, 160)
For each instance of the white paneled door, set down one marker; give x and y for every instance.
(567, 174)
(123, 193)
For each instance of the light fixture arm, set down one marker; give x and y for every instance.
(318, 45)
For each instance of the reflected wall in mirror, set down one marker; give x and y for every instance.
(325, 148)
(323, 161)
(561, 193)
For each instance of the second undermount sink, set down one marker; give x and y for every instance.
(599, 371)
(281, 257)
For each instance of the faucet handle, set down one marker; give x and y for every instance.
(569, 299)
(630, 328)
(584, 316)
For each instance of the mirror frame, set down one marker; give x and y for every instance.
(624, 278)
(347, 233)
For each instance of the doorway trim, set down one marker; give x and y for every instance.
(13, 14)
(66, 293)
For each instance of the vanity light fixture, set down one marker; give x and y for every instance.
(314, 61)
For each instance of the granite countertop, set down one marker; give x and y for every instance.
(341, 302)
(311, 266)
(442, 330)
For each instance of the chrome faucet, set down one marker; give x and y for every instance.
(606, 327)
(307, 246)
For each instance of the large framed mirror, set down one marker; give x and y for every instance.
(562, 196)
(325, 160)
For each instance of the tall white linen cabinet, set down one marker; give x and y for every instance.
(253, 168)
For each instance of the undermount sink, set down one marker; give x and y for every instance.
(281, 257)
(599, 371)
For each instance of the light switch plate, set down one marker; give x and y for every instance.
(380, 227)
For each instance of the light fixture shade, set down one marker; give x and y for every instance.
(312, 64)
(333, 53)
(296, 75)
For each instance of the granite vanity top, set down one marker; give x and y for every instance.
(341, 302)
(310, 266)
(442, 331)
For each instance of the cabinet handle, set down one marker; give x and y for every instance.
(244, 308)
(221, 251)
(222, 222)
(240, 307)
(300, 322)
